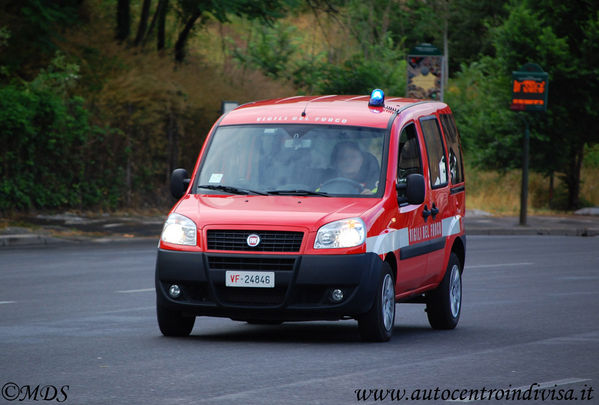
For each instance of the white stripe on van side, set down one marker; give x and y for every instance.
(399, 238)
(388, 242)
(451, 225)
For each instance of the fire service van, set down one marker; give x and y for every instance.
(318, 208)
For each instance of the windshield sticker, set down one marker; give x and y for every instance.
(296, 143)
(215, 178)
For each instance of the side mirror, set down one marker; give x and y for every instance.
(415, 188)
(179, 182)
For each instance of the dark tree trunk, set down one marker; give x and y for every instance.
(143, 22)
(551, 188)
(573, 177)
(182, 40)
(152, 24)
(162, 10)
(123, 20)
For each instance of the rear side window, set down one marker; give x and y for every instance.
(454, 148)
(435, 152)
(409, 161)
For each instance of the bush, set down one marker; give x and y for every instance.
(46, 157)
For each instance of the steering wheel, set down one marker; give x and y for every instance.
(342, 181)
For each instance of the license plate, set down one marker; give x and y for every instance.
(259, 279)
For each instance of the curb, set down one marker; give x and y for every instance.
(582, 232)
(25, 240)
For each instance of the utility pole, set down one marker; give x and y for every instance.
(524, 192)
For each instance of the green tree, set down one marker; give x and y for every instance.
(562, 38)
(43, 130)
(35, 27)
(468, 30)
(369, 58)
(192, 11)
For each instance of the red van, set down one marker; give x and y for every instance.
(318, 208)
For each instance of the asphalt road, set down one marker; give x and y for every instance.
(81, 319)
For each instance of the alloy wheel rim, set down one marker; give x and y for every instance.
(455, 291)
(388, 302)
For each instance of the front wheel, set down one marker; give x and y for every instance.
(173, 323)
(376, 325)
(444, 304)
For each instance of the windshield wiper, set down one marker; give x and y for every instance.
(231, 189)
(298, 192)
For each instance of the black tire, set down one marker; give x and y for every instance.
(173, 323)
(444, 304)
(376, 325)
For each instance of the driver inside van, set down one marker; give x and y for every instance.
(349, 162)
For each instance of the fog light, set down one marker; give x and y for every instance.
(174, 291)
(336, 295)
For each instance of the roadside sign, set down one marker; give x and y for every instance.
(425, 72)
(529, 88)
(529, 93)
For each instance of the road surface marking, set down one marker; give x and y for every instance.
(565, 294)
(136, 291)
(484, 266)
(8, 302)
(535, 387)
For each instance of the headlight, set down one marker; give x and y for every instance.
(179, 230)
(341, 234)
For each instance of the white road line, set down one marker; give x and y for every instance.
(120, 311)
(8, 302)
(136, 291)
(484, 266)
(374, 371)
(566, 294)
(535, 387)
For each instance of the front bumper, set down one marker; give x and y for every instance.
(302, 285)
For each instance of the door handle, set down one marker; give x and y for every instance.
(434, 211)
(426, 213)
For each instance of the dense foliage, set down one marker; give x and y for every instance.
(100, 100)
(51, 155)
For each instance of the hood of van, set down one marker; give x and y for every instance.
(271, 211)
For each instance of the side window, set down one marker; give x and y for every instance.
(409, 160)
(454, 148)
(434, 150)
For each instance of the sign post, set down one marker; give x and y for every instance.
(425, 72)
(529, 93)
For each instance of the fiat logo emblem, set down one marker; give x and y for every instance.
(253, 240)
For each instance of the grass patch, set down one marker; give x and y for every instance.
(499, 193)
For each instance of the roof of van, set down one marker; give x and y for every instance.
(333, 110)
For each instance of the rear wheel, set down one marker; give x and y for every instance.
(173, 323)
(444, 304)
(376, 325)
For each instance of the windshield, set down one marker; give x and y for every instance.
(318, 160)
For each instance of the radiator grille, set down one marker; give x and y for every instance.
(270, 241)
